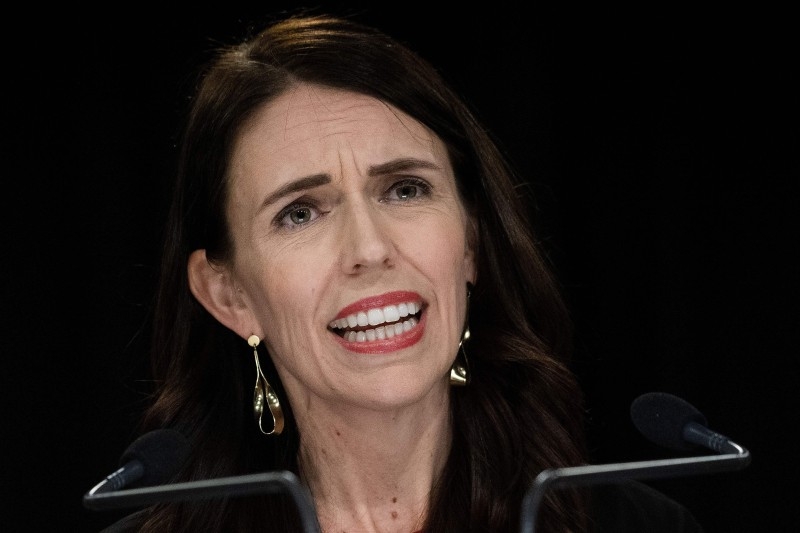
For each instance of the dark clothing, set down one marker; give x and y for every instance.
(630, 507)
(634, 507)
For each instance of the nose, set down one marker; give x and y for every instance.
(367, 239)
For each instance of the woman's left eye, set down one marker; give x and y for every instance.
(408, 189)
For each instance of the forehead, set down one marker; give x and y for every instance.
(310, 124)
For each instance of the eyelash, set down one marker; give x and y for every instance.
(283, 219)
(422, 186)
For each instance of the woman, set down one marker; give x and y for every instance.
(344, 225)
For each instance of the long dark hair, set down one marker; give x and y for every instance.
(522, 411)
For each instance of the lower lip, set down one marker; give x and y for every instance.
(381, 346)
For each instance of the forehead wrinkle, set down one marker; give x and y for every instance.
(341, 160)
(313, 95)
(335, 120)
(315, 105)
(319, 103)
(291, 106)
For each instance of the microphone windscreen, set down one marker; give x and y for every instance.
(162, 452)
(661, 417)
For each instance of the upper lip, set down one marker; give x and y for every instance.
(378, 303)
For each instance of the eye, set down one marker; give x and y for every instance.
(296, 215)
(408, 189)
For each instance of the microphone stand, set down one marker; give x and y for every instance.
(268, 482)
(597, 474)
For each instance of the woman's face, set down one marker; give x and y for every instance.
(351, 254)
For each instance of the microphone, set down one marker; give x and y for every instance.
(152, 459)
(665, 420)
(674, 423)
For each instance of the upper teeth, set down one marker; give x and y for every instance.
(373, 317)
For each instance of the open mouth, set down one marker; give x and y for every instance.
(379, 323)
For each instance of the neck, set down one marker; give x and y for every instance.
(373, 470)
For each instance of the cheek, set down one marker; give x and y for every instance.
(289, 290)
(285, 316)
(284, 285)
(447, 255)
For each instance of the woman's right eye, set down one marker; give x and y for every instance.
(296, 215)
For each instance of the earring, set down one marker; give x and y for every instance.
(264, 391)
(459, 373)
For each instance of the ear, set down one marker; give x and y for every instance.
(214, 288)
(470, 251)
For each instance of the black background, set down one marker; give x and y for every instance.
(660, 142)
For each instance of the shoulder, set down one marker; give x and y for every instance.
(633, 507)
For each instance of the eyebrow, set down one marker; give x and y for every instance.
(401, 165)
(315, 180)
(301, 184)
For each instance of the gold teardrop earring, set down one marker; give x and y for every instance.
(459, 372)
(263, 391)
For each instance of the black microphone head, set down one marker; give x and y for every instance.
(661, 417)
(161, 452)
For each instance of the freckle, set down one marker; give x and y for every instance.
(338, 434)
(394, 500)
(394, 515)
